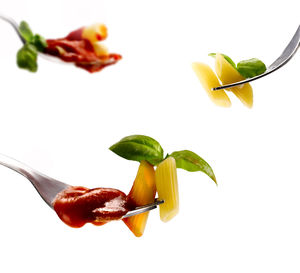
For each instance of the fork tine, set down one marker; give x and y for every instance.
(144, 208)
(240, 82)
(285, 56)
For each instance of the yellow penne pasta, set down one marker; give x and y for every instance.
(208, 79)
(142, 193)
(228, 74)
(167, 188)
(94, 33)
(100, 49)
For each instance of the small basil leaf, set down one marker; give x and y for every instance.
(192, 162)
(27, 57)
(251, 68)
(25, 31)
(228, 59)
(138, 148)
(39, 42)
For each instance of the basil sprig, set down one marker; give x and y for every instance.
(140, 147)
(27, 58)
(228, 59)
(247, 68)
(27, 55)
(25, 31)
(192, 162)
(251, 68)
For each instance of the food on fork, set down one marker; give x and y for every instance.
(149, 153)
(228, 72)
(142, 192)
(209, 80)
(167, 188)
(77, 206)
(83, 47)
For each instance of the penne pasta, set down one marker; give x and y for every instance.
(94, 33)
(167, 188)
(228, 74)
(208, 79)
(142, 193)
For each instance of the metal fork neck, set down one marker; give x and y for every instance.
(45, 186)
(14, 24)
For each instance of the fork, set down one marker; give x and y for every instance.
(48, 187)
(15, 26)
(286, 55)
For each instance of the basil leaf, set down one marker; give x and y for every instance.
(251, 68)
(192, 162)
(228, 59)
(39, 42)
(138, 148)
(27, 57)
(25, 31)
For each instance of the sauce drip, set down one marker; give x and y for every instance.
(77, 206)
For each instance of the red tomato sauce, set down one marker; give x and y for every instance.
(73, 48)
(77, 206)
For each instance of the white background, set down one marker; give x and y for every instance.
(62, 120)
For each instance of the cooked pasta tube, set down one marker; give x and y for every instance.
(208, 79)
(228, 74)
(167, 188)
(95, 32)
(142, 193)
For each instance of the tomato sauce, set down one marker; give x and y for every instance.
(77, 206)
(73, 48)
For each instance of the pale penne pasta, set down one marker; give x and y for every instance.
(228, 74)
(208, 79)
(167, 188)
(95, 32)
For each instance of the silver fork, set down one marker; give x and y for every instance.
(48, 187)
(14, 24)
(286, 55)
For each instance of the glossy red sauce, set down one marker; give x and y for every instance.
(77, 206)
(73, 48)
(75, 35)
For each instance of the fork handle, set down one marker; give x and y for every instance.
(42, 183)
(14, 24)
(16, 166)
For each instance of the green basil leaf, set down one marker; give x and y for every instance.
(27, 57)
(228, 59)
(251, 68)
(25, 31)
(192, 162)
(138, 148)
(39, 42)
